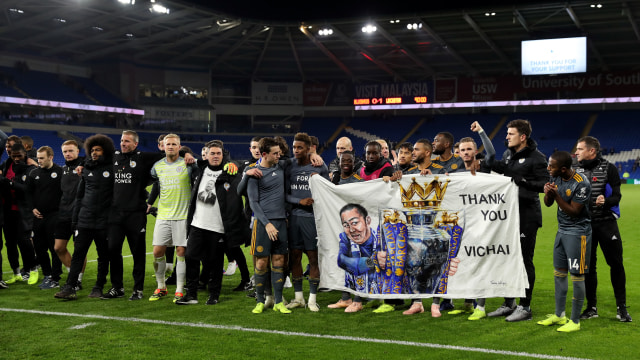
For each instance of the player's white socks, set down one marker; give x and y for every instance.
(299, 295)
(160, 266)
(181, 274)
(312, 298)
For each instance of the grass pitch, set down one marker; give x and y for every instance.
(34, 325)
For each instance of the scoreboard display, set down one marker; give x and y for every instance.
(392, 95)
(398, 100)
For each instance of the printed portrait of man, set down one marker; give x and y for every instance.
(207, 195)
(357, 255)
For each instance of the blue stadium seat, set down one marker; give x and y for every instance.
(55, 87)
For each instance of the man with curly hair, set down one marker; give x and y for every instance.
(91, 212)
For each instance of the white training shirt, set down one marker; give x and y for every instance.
(207, 215)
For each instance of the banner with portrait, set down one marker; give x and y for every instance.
(454, 236)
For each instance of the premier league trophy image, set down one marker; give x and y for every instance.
(428, 252)
(419, 241)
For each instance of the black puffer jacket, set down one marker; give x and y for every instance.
(69, 185)
(95, 194)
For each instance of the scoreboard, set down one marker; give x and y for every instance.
(392, 95)
(398, 100)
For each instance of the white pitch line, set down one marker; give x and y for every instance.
(123, 256)
(81, 326)
(94, 260)
(301, 334)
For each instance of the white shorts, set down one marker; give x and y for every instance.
(170, 233)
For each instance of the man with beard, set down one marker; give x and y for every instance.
(442, 146)
(419, 162)
(91, 213)
(604, 207)
(18, 216)
(128, 217)
(424, 165)
(468, 151)
(421, 158)
(527, 167)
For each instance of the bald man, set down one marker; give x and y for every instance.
(343, 144)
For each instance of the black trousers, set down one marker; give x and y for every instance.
(131, 225)
(208, 247)
(528, 246)
(17, 237)
(607, 234)
(44, 243)
(84, 238)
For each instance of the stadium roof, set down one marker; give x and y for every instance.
(248, 42)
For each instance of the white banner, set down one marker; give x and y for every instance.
(419, 229)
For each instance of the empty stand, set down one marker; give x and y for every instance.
(55, 87)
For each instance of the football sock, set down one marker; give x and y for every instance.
(313, 285)
(181, 274)
(277, 280)
(268, 290)
(160, 265)
(297, 284)
(561, 288)
(579, 290)
(260, 278)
